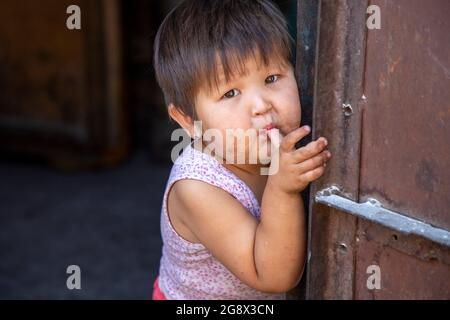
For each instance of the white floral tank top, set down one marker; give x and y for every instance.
(187, 270)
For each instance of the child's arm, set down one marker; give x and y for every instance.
(267, 255)
(281, 235)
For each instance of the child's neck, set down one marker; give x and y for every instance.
(249, 173)
(250, 169)
(244, 169)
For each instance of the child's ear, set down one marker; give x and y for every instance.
(182, 119)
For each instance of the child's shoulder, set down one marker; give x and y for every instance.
(196, 208)
(190, 192)
(200, 176)
(196, 165)
(192, 160)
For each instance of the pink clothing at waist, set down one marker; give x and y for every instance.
(157, 294)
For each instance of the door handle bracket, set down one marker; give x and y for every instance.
(372, 210)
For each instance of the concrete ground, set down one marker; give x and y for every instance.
(106, 222)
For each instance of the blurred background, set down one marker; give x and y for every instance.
(84, 148)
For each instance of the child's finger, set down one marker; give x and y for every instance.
(313, 175)
(315, 162)
(311, 149)
(275, 137)
(292, 138)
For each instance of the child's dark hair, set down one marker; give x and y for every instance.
(197, 32)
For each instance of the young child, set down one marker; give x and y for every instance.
(230, 232)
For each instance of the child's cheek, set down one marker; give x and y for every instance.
(290, 124)
(290, 115)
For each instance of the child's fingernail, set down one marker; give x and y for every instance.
(307, 128)
(325, 141)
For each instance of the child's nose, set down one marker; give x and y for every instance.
(260, 106)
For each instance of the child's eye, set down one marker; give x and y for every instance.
(231, 94)
(272, 78)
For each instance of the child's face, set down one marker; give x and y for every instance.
(262, 97)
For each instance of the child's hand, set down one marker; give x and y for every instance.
(299, 167)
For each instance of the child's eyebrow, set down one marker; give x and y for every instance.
(231, 77)
(222, 81)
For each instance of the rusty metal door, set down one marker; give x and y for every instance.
(382, 98)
